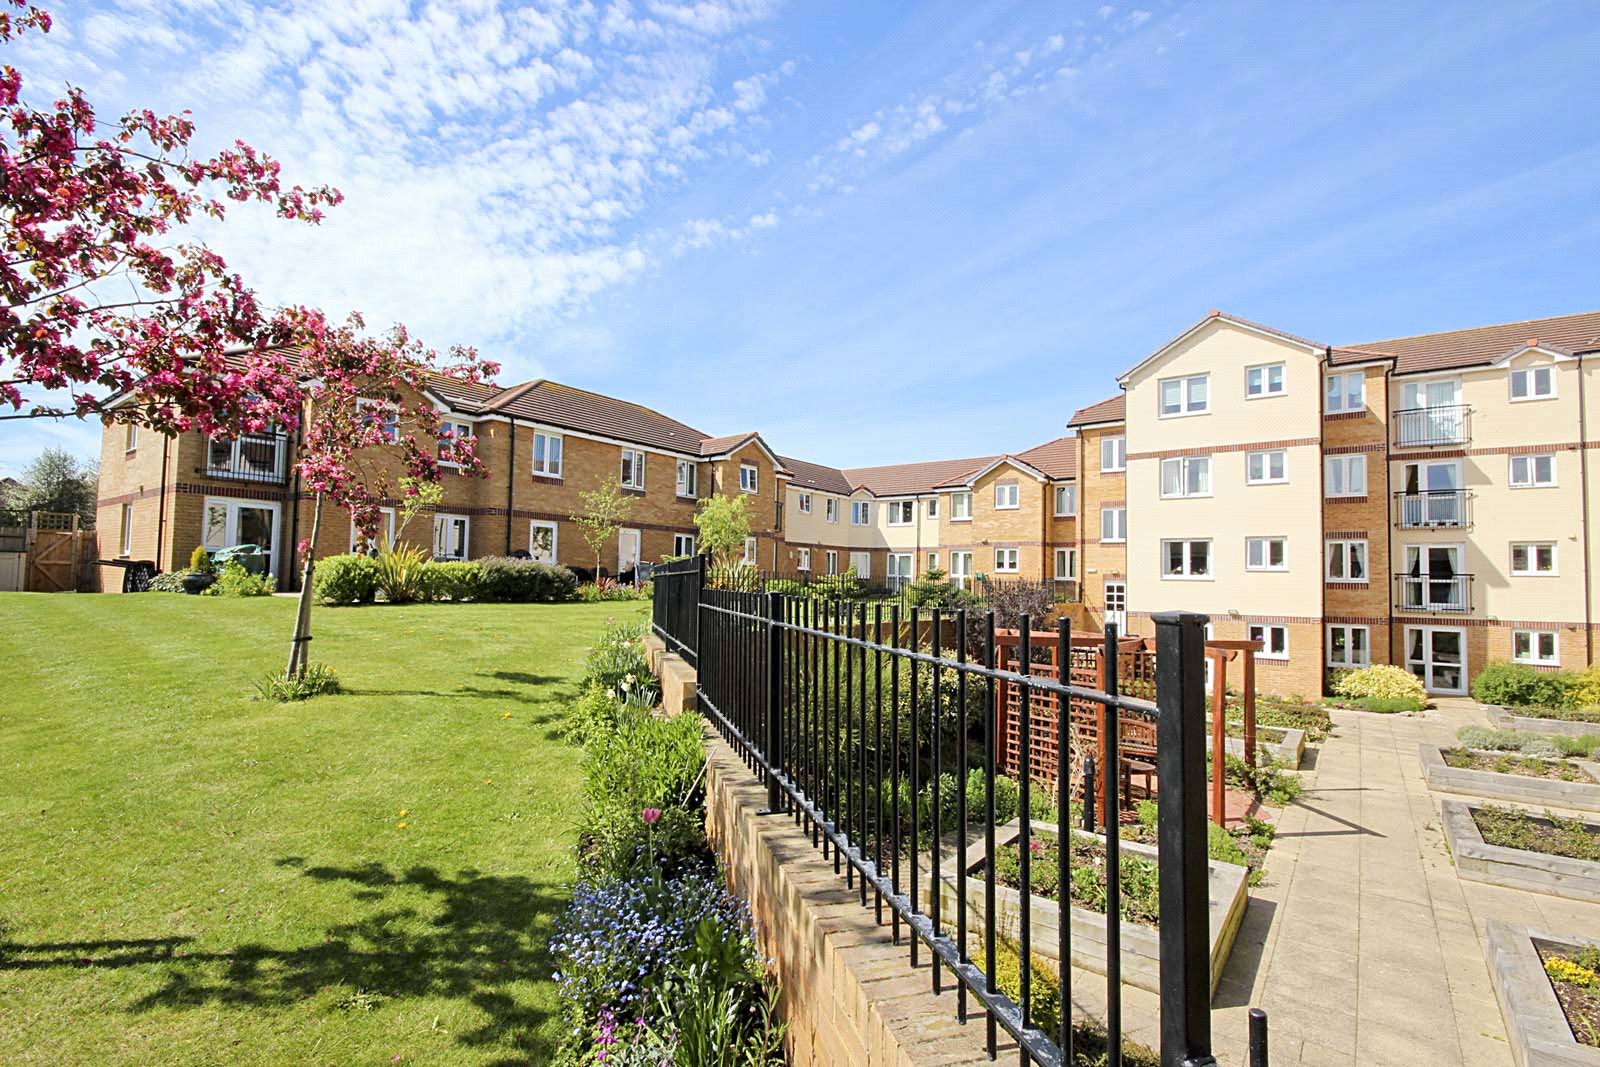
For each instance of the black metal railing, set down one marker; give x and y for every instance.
(257, 457)
(1433, 509)
(1425, 592)
(1429, 427)
(863, 721)
(675, 604)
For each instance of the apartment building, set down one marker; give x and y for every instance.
(1422, 501)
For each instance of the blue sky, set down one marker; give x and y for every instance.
(881, 232)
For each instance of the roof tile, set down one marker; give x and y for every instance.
(1481, 345)
(1110, 410)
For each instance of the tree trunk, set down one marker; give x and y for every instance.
(299, 655)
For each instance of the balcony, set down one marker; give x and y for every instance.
(1445, 594)
(1433, 427)
(1433, 509)
(256, 457)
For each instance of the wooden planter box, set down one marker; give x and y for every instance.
(1517, 868)
(1287, 753)
(1535, 1024)
(1141, 949)
(1550, 792)
(1506, 719)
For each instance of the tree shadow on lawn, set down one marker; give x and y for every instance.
(490, 931)
(525, 689)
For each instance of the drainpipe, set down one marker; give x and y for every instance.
(511, 478)
(161, 502)
(1388, 519)
(1322, 506)
(1583, 476)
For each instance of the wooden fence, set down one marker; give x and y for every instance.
(52, 553)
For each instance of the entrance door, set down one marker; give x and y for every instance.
(242, 522)
(1117, 605)
(627, 551)
(1438, 655)
(899, 569)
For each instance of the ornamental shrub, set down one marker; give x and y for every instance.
(200, 560)
(1517, 684)
(618, 664)
(346, 580)
(1382, 682)
(234, 580)
(169, 581)
(525, 581)
(400, 574)
(1583, 688)
(454, 580)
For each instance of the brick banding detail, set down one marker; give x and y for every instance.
(1249, 446)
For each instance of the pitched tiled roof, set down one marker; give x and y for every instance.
(1485, 344)
(902, 479)
(816, 476)
(1056, 459)
(577, 409)
(1112, 410)
(463, 396)
(715, 446)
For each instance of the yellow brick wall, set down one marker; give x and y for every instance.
(1097, 562)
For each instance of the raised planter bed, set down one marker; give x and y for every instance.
(1141, 950)
(1550, 792)
(1506, 719)
(1538, 872)
(1287, 752)
(1536, 1025)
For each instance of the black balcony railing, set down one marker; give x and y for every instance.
(1433, 509)
(256, 457)
(1430, 427)
(1425, 592)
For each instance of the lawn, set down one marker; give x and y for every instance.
(192, 875)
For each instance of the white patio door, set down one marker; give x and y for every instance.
(1438, 655)
(627, 551)
(1439, 419)
(899, 569)
(242, 522)
(1117, 605)
(1433, 579)
(1432, 496)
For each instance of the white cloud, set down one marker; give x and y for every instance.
(763, 221)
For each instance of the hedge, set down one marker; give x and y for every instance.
(352, 579)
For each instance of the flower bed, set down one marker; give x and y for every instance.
(1544, 853)
(1284, 746)
(1507, 763)
(1512, 776)
(1556, 722)
(1313, 719)
(1087, 875)
(1574, 974)
(1552, 835)
(1546, 987)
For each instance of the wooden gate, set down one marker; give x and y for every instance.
(53, 561)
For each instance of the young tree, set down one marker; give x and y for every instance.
(102, 300)
(605, 508)
(55, 481)
(724, 524)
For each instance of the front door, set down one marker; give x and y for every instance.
(627, 551)
(242, 522)
(1117, 605)
(1438, 655)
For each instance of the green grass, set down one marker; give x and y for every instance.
(192, 875)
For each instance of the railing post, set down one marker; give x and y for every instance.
(1181, 838)
(699, 595)
(774, 701)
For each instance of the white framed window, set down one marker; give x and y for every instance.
(1066, 501)
(1006, 561)
(1349, 646)
(683, 544)
(1007, 496)
(1345, 476)
(1113, 525)
(226, 521)
(1266, 468)
(1266, 553)
(749, 552)
(933, 507)
(1113, 454)
(1345, 392)
(1533, 383)
(1274, 640)
(1539, 647)
(1189, 395)
(458, 431)
(1186, 476)
(1066, 564)
(688, 478)
(542, 538)
(1533, 558)
(632, 469)
(450, 536)
(960, 567)
(383, 536)
(1186, 558)
(1264, 380)
(748, 476)
(1431, 413)
(1346, 561)
(805, 503)
(960, 507)
(802, 559)
(127, 529)
(902, 512)
(861, 513)
(382, 414)
(833, 561)
(547, 454)
(130, 440)
(933, 561)
(898, 571)
(862, 562)
(1537, 471)
(830, 509)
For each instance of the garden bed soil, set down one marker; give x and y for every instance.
(1467, 759)
(1523, 849)
(1579, 1003)
(1283, 744)
(1087, 875)
(1313, 719)
(1485, 779)
(1540, 1026)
